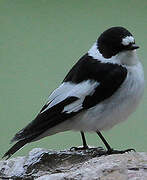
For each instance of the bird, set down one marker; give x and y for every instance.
(101, 90)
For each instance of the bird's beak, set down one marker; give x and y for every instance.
(133, 46)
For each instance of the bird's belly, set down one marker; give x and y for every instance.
(105, 116)
(115, 109)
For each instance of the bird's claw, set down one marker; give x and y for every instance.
(86, 148)
(112, 151)
(79, 148)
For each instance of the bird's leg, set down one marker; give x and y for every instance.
(109, 149)
(104, 141)
(85, 146)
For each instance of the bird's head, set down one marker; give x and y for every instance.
(115, 40)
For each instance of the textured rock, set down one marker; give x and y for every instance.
(42, 164)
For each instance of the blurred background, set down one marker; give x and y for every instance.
(40, 40)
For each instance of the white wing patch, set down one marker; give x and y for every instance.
(58, 95)
(68, 89)
(81, 91)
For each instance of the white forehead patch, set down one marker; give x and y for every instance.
(127, 40)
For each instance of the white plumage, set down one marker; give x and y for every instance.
(127, 40)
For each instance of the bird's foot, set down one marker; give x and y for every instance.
(79, 148)
(112, 151)
(86, 148)
(93, 151)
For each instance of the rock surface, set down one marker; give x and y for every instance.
(43, 164)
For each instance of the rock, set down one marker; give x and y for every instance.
(42, 164)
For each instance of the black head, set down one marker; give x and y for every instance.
(115, 40)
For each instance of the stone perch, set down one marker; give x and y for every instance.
(42, 164)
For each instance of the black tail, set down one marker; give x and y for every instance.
(43, 122)
(15, 148)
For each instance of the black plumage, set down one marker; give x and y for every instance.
(109, 76)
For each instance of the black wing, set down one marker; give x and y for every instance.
(109, 78)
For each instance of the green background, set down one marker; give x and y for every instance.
(40, 40)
